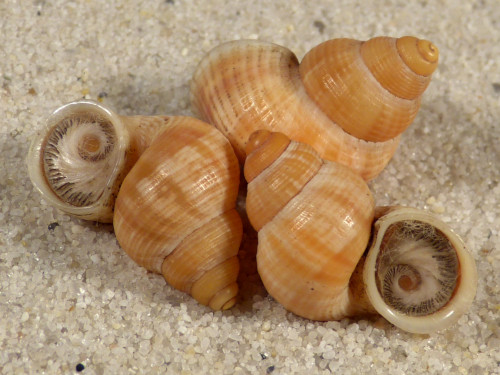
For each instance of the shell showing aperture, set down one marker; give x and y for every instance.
(418, 272)
(176, 179)
(175, 212)
(314, 220)
(349, 99)
(79, 158)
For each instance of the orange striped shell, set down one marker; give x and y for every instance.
(349, 99)
(175, 212)
(176, 179)
(313, 219)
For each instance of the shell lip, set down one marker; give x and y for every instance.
(35, 164)
(462, 297)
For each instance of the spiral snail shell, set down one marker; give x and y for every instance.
(348, 99)
(314, 221)
(169, 184)
(79, 159)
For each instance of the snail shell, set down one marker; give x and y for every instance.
(314, 219)
(169, 184)
(349, 99)
(175, 212)
(79, 159)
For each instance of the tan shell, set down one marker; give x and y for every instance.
(175, 211)
(314, 220)
(350, 100)
(311, 238)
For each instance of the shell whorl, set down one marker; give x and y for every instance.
(312, 234)
(418, 273)
(420, 55)
(175, 212)
(243, 86)
(371, 89)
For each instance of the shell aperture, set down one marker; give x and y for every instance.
(418, 273)
(78, 159)
(312, 252)
(417, 269)
(75, 158)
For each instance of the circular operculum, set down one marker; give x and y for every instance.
(75, 160)
(418, 273)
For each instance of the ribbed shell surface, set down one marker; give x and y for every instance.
(382, 58)
(362, 86)
(313, 237)
(244, 86)
(187, 179)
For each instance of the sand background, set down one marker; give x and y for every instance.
(69, 295)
